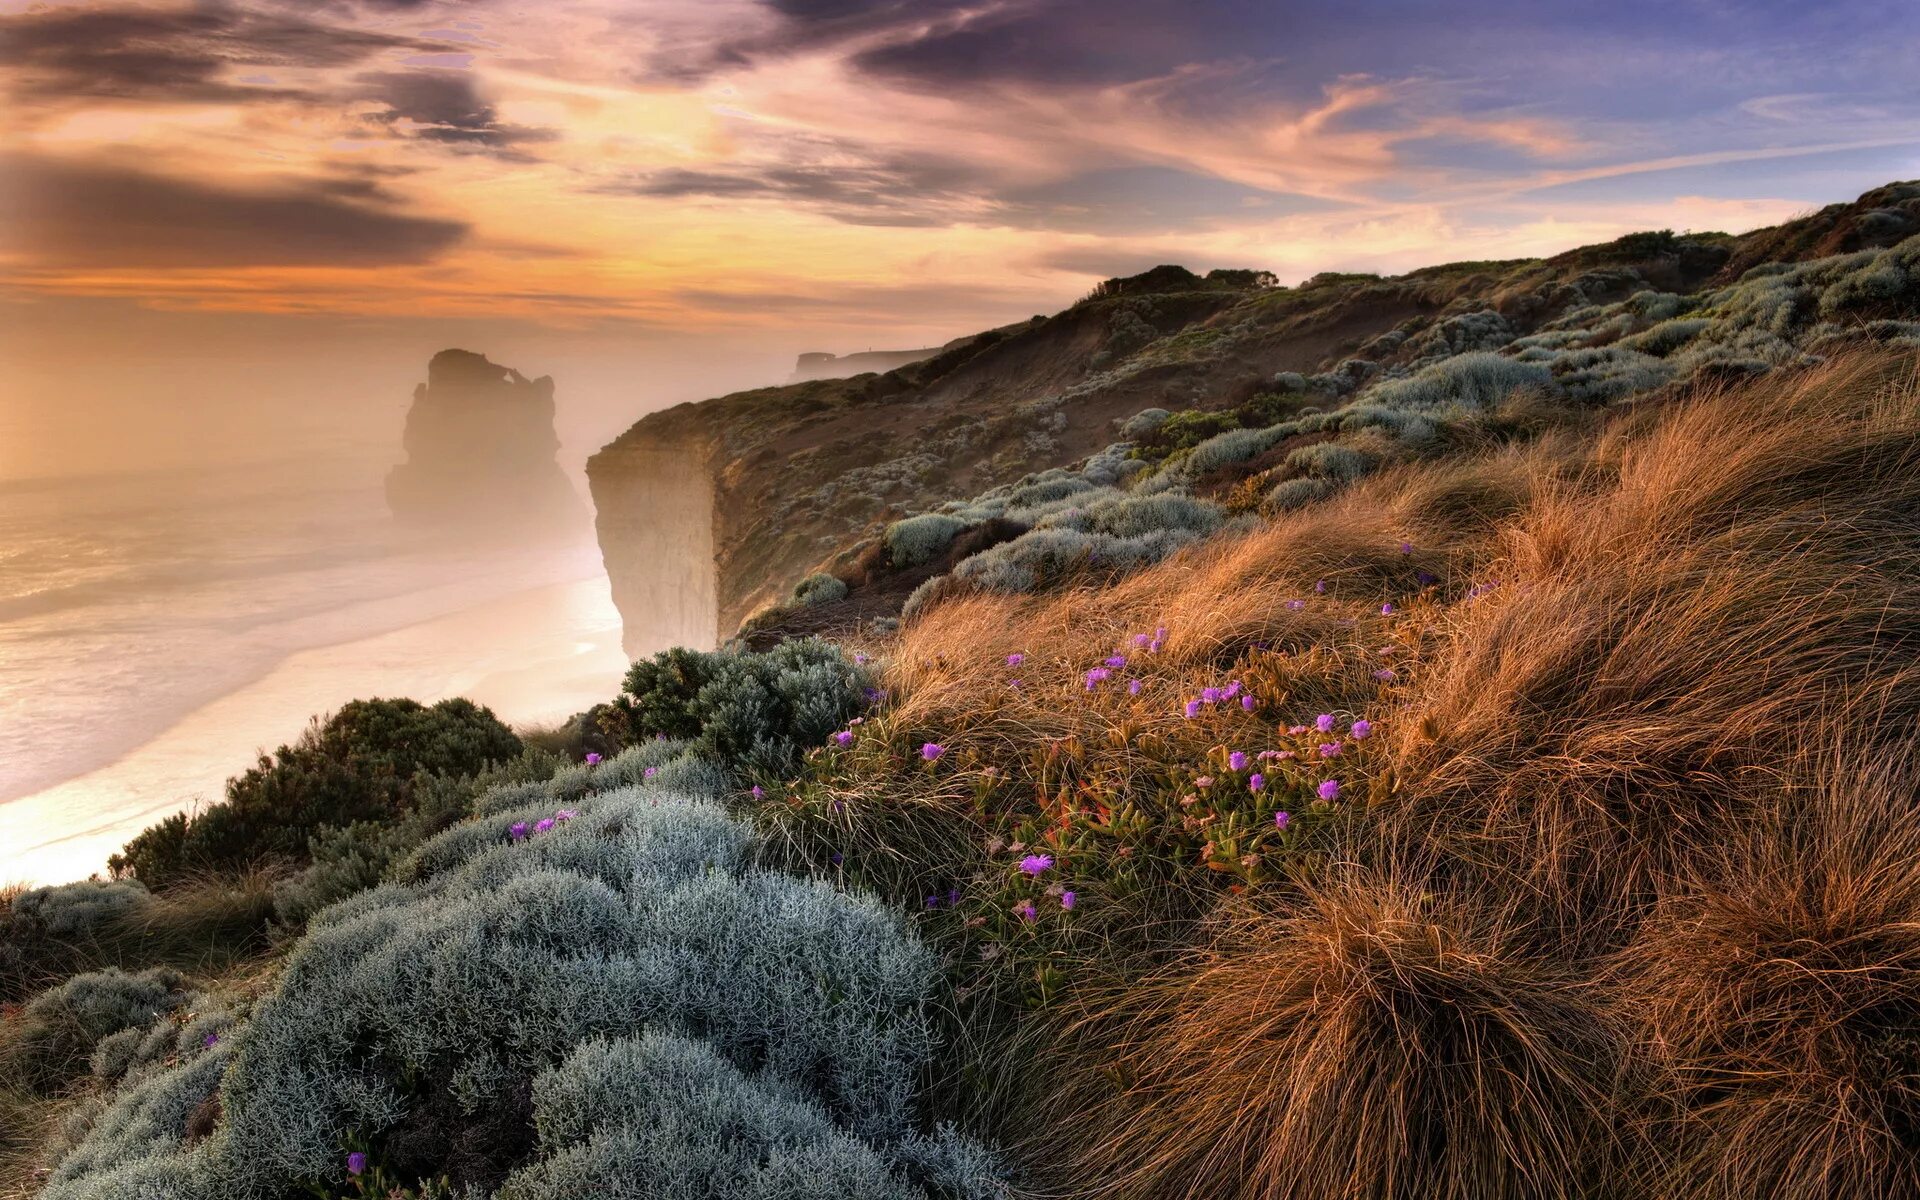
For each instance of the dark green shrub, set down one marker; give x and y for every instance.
(754, 709)
(359, 765)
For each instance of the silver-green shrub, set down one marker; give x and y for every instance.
(1330, 461)
(819, 588)
(60, 1028)
(1144, 422)
(665, 1117)
(71, 911)
(915, 540)
(1290, 494)
(636, 911)
(1468, 381)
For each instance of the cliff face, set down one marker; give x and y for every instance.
(793, 479)
(480, 453)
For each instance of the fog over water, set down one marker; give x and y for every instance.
(193, 563)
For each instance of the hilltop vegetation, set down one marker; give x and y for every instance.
(1479, 771)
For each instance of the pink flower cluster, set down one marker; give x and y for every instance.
(519, 830)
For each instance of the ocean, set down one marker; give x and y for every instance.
(159, 629)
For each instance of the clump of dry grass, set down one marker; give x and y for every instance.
(1665, 643)
(1370, 1037)
(1778, 986)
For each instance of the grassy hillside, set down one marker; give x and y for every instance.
(1484, 775)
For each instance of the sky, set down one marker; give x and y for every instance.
(195, 183)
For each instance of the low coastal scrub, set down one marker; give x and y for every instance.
(1608, 889)
(363, 763)
(481, 997)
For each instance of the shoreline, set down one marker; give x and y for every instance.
(534, 655)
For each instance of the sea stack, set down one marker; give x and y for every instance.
(480, 453)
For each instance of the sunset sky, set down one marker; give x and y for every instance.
(887, 170)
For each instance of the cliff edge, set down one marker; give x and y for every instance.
(782, 482)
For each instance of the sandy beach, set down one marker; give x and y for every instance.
(532, 656)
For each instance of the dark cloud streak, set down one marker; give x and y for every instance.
(173, 56)
(444, 106)
(64, 214)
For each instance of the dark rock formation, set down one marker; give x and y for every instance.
(480, 453)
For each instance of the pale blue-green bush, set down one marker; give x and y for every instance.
(1666, 337)
(1466, 381)
(915, 540)
(1042, 557)
(641, 913)
(1233, 447)
(1144, 422)
(666, 1117)
(1124, 516)
(819, 588)
(1290, 494)
(1331, 461)
(73, 911)
(60, 1028)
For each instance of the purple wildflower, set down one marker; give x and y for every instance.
(1296, 730)
(1329, 789)
(543, 825)
(933, 902)
(1329, 749)
(953, 897)
(1237, 761)
(1385, 675)
(1014, 660)
(1160, 634)
(1034, 864)
(1210, 695)
(1141, 639)
(932, 750)
(564, 814)
(1281, 819)
(758, 792)
(1426, 578)
(1324, 722)
(1117, 661)
(1134, 686)
(1406, 547)
(844, 737)
(1025, 910)
(1193, 708)
(593, 760)
(1256, 781)
(649, 773)
(860, 659)
(1153, 647)
(1386, 610)
(1233, 689)
(210, 1040)
(1067, 899)
(356, 1163)
(1247, 702)
(1362, 729)
(517, 831)
(1320, 587)
(1096, 677)
(836, 858)
(1296, 605)
(1013, 683)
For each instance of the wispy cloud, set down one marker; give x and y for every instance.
(667, 162)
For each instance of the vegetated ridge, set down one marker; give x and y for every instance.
(788, 481)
